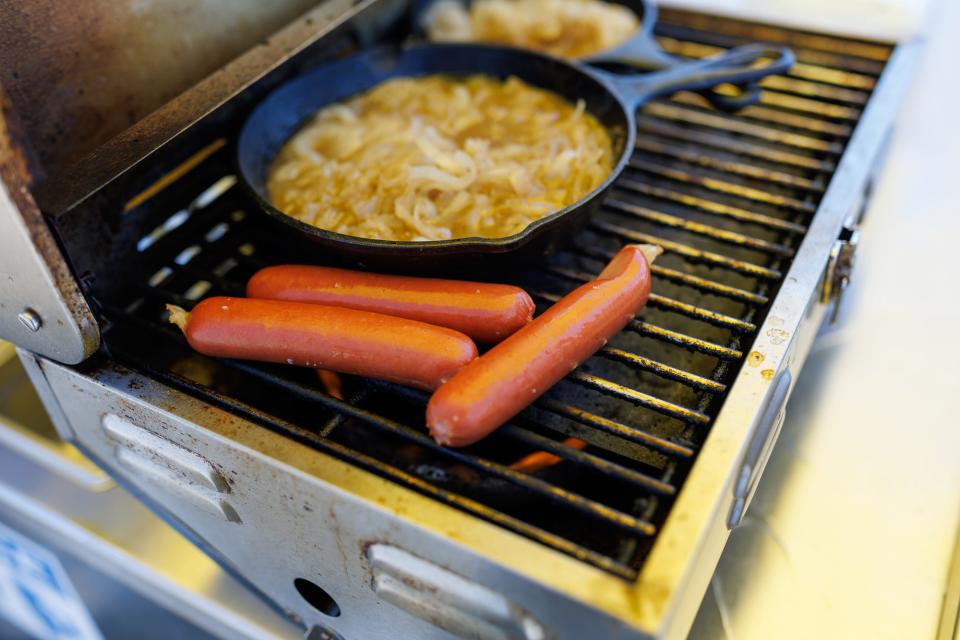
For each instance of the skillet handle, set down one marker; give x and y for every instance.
(737, 66)
(642, 52)
(641, 49)
(645, 55)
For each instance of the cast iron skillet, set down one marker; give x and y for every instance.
(641, 51)
(611, 98)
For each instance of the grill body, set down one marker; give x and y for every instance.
(279, 482)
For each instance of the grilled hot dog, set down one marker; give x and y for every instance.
(485, 312)
(498, 385)
(310, 335)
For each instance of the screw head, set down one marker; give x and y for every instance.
(30, 319)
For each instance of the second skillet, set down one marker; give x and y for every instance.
(640, 51)
(611, 98)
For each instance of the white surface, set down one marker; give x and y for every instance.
(853, 526)
(36, 594)
(882, 19)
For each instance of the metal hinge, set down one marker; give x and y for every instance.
(840, 265)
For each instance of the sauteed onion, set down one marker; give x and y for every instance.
(438, 157)
(565, 28)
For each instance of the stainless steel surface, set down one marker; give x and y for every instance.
(675, 577)
(308, 515)
(449, 601)
(41, 306)
(26, 429)
(759, 448)
(115, 155)
(866, 466)
(36, 281)
(54, 495)
(78, 77)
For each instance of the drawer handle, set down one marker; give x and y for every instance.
(446, 599)
(164, 452)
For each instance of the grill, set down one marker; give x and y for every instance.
(729, 198)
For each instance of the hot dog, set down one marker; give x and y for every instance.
(498, 385)
(310, 335)
(485, 312)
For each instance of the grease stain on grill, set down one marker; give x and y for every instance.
(777, 336)
(729, 196)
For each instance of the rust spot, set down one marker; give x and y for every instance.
(755, 359)
(767, 374)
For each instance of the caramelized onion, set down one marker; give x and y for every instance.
(438, 157)
(565, 28)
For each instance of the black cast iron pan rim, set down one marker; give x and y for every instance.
(481, 245)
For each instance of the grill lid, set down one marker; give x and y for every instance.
(79, 75)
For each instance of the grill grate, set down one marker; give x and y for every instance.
(729, 198)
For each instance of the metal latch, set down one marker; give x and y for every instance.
(843, 257)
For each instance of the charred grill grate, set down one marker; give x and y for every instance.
(729, 197)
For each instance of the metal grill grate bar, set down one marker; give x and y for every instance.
(613, 427)
(710, 207)
(691, 253)
(709, 286)
(698, 228)
(638, 398)
(702, 28)
(804, 105)
(538, 442)
(669, 304)
(693, 311)
(678, 113)
(722, 186)
(695, 282)
(809, 89)
(663, 370)
(804, 69)
(661, 333)
(710, 138)
(766, 114)
(683, 340)
(469, 505)
(693, 155)
(554, 493)
(588, 460)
